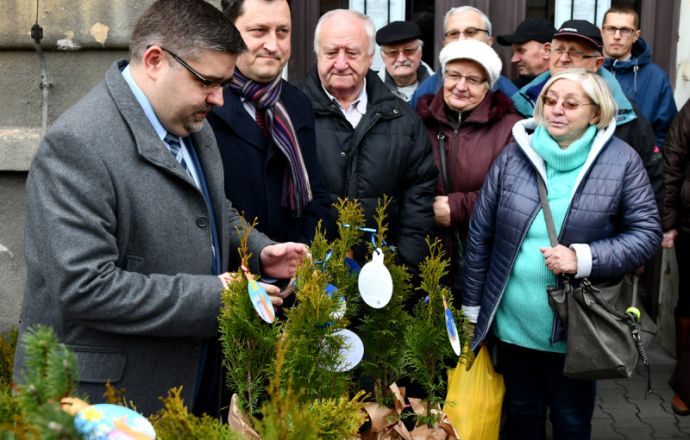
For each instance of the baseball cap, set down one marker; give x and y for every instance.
(581, 29)
(538, 29)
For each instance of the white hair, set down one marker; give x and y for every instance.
(369, 27)
(463, 9)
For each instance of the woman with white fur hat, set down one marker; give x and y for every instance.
(468, 125)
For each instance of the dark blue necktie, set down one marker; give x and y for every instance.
(176, 150)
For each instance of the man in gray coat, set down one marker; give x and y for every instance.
(128, 232)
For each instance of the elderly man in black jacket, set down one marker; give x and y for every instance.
(369, 142)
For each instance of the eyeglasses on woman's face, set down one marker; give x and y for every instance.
(470, 80)
(567, 104)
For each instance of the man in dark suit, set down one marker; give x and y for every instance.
(265, 129)
(128, 232)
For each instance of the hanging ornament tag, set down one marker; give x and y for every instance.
(332, 293)
(351, 352)
(451, 328)
(259, 298)
(106, 421)
(375, 282)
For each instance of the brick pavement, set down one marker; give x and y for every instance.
(623, 412)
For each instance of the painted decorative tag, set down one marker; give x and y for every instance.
(259, 298)
(451, 328)
(112, 422)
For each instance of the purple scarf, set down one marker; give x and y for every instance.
(266, 96)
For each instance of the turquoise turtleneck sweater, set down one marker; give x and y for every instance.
(523, 316)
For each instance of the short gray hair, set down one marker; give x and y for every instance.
(185, 27)
(595, 87)
(463, 9)
(369, 27)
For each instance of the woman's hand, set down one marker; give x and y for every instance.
(668, 238)
(560, 259)
(441, 211)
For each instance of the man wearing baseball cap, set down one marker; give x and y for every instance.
(531, 44)
(578, 44)
(401, 52)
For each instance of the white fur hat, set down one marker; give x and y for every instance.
(476, 51)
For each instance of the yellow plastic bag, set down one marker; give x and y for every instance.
(474, 399)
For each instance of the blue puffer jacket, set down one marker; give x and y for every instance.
(612, 218)
(648, 85)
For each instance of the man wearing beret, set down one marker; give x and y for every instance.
(531, 44)
(401, 51)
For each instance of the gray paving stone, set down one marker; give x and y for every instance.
(633, 431)
(603, 429)
(652, 409)
(624, 416)
(666, 427)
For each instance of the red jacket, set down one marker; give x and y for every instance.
(470, 150)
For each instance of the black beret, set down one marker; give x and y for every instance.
(397, 32)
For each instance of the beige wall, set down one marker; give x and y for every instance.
(81, 40)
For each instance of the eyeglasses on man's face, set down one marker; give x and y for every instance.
(625, 31)
(206, 83)
(395, 53)
(567, 104)
(573, 54)
(470, 80)
(469, 32)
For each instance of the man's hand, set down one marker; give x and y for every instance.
(273, 293)
(560, 259)
(281, 260)
(668, 238)
(441, 211)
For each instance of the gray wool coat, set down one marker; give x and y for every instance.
(118, 247)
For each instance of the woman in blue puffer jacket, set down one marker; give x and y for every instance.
(607, 222)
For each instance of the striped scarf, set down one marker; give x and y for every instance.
(266, 96)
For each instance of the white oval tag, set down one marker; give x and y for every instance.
(351, 352)
(375, 282)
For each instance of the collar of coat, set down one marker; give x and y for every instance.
(378, 96)
(525, 97)
(493, 107)
(523, 131)
(148, 144)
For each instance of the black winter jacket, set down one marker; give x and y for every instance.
(387, 153)
(612, 210)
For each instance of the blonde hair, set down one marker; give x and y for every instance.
(595, 87)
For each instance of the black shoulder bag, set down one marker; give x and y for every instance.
(602, 341)
(458, 257)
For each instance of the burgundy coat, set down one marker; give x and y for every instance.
(470, 150)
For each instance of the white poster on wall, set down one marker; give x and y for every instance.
(381, 13)
(590, 10)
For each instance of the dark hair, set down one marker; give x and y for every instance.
(625, 9)
(184, 27)
(232, 9)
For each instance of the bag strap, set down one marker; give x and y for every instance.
(548, 217)
(442, 155)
